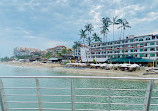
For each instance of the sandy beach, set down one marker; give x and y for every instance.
(83, 72)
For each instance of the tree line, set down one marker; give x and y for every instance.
(88, 37)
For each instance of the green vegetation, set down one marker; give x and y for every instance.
(5, 59)
(94, 61)
(76, 44)
(86, 32)
(24, 57)
(155, 64)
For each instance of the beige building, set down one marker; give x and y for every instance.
(56, 50)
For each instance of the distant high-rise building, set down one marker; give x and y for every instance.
(21, 51)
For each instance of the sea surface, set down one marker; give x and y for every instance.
(104, 96)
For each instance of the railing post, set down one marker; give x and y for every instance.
(3, 100)
(72, 95)
(148, 96)
(38, 94)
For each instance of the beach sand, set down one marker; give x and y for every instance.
(83, 72)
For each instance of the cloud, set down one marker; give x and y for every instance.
(46, 23)
(151, 16)
(130, 9)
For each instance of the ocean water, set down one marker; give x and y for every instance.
(6, 70)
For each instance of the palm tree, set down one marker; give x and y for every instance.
(120, 21)
(89, 29)
(105, 24)
(76, 44)
(113, 23)
(96, 38)
(89, 40)
(83, 35)
(124, 25)
(104, 31)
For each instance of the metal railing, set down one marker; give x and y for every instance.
(80, 97)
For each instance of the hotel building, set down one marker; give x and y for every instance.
(56, 50)
(140, 46)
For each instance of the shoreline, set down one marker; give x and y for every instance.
(83, 72)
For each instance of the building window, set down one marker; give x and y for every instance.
(131, 50)
(140, 39)
(146, 44)
(152, 55)
(136, 39)
(153, 37)
(131, 40)
(153, 43)
(141, 50)
(141, 44)
(145, 55)
(145, 49)
(132, 44)
(141, 55)
(147, 38)
(135, 50)
(152, 49)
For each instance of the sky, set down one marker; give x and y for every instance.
(44, 24)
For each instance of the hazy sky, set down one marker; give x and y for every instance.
(46, 23)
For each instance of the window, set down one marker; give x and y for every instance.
(152, 49)
(136, 39)
(145, 55)
(153, 37)
(132, 44)
(116, 56)
(131, 50)
(141, 44)
(147, 38)
(152, 55)
(140, 39)
(146, 44)
(153, 43)
(141, 55)
(131, 40)
(145, 49)
(141, 50)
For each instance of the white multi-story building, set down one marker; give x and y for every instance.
(140, 46)
(77, 52)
